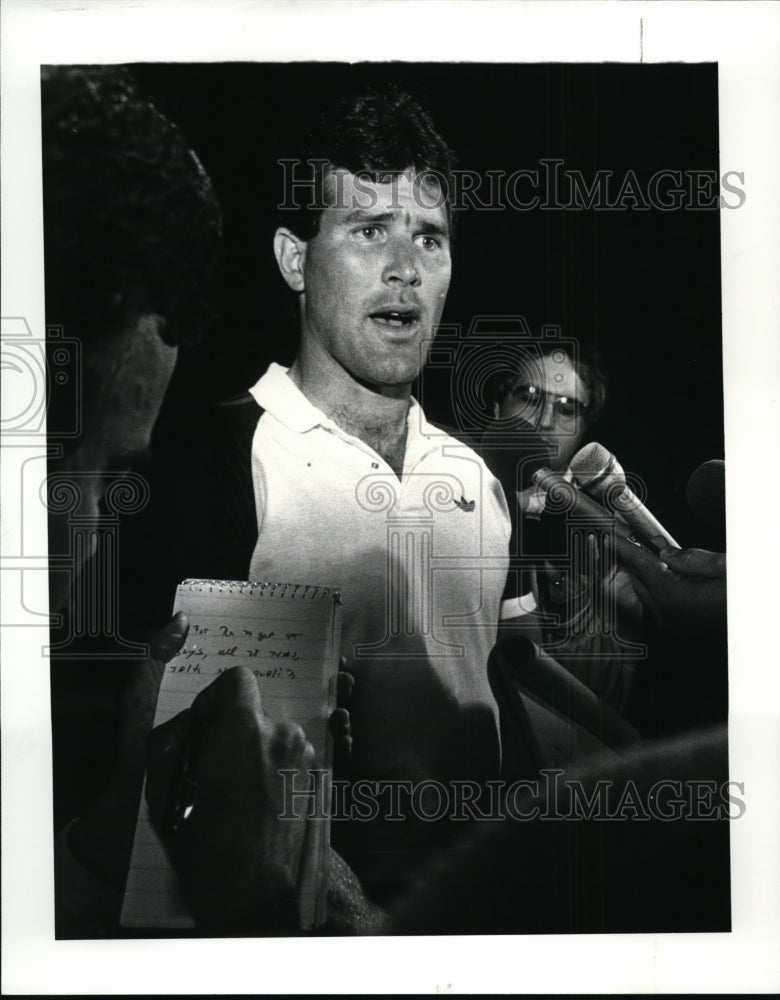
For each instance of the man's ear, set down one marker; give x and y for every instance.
(496, 411)
(290, 253)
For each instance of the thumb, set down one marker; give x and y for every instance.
(695, 562)
(168, 640)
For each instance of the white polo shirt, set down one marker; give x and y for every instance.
(420, 562)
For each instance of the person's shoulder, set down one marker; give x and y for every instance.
(468, 444)
(233, 419)
(437, 429)
(451, 434)
(461, 444)
(240, 408)
(243, 408)
(448, 434)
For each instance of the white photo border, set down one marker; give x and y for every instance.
(743, 38)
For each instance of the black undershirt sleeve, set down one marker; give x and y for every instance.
(226, 537)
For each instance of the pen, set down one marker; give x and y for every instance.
(181, 801)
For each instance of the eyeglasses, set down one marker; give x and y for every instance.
(565, 408)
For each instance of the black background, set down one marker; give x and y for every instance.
(644, 286)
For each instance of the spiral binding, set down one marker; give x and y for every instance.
(306, 591)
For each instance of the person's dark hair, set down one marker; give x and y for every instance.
(587, 364)
(377, 133)
(131, 222)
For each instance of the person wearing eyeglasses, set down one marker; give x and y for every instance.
(561, 396)
(583, 618)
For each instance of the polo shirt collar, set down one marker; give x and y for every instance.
(280, 396)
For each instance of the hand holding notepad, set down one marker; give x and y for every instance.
(214, 791)
(214, 779)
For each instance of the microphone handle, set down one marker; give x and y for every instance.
(632, 510)
(626, 503)
(602, 483)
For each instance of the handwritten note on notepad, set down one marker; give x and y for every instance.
(288, 635)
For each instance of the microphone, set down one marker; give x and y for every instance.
(600, 474)
(706, 496)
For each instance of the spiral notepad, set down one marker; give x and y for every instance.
(288, 635)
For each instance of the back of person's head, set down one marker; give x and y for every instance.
(377, 133)
(131, 242)
(131, 222)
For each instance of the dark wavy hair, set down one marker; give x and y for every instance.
(377, 133)
(131, 221)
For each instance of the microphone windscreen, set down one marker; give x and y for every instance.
(706, 495)
(514, 452)
(592, 462)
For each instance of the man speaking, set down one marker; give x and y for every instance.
(352, 488)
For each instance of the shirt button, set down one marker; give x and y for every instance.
(375, 465)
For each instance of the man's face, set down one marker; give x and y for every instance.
(552, 398)
(376, 276)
